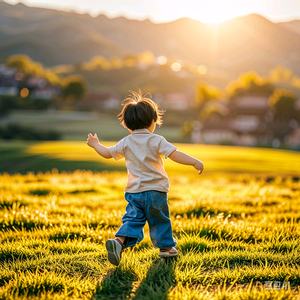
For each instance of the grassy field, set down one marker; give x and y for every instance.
(234, 235)
(237, 226)
(18, 156)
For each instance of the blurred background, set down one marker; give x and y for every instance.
(226, 73)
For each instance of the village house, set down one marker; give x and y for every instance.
(249, 118)
(248, 122)
(105, 100)
(12, 82)
(46, 93)
(41, 89)
(9, 85)
(177, 101)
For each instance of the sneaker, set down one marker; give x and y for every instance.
(168, 252)
(114, 249)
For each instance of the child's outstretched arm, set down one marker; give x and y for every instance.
(182, 158)
(93, 142)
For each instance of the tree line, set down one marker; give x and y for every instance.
(281, 86)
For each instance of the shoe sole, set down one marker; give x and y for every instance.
(168, 255)
(112, 253)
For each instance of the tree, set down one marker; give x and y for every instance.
(213, 110)
(146, 57)
(130, 60)
(74, 87)
(249, 82)
(296, 82)
(283, 102)
(205, 93)
(115, 62)
(281, 74)
(96, 62)
(22, 63)
(51, 77)
(4, 107)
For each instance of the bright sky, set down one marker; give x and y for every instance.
(207, 11)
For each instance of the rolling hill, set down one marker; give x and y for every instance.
(56, 37)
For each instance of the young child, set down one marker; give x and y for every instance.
(148, 183)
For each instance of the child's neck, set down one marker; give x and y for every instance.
(151, 128)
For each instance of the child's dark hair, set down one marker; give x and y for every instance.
(139, 112)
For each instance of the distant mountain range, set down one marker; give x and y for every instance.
(56, 37)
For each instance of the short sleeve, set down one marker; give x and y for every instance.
(117, 151)
(166, 148)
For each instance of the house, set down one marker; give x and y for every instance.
(248, 121)
(9, 84)
(177, 101)
(9, 90)
(216, 132)
(33, 83)
(106, 100)
(12, 82)
(39, 88)
(249, 113)
(47, 92)
(6, 72)
(255, 102)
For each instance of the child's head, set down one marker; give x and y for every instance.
(139, 112)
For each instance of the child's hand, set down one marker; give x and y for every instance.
(92, 140)
(199, 166)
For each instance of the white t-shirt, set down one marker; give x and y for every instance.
(142, 151)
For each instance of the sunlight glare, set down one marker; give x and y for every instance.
(24, 92)
(215, 18)
(217, 11)
(176, 66)
(162, 60)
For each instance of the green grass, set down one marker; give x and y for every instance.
(234, 234)
(237, 225)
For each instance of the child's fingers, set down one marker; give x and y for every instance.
(90, 134)
(96, 136)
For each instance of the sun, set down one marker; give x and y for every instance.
(216, 17)
(215, 11)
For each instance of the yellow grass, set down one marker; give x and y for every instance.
(215, 158)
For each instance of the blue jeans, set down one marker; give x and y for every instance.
(151, 206)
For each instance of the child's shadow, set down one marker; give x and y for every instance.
(119, 284)
(159, 279)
